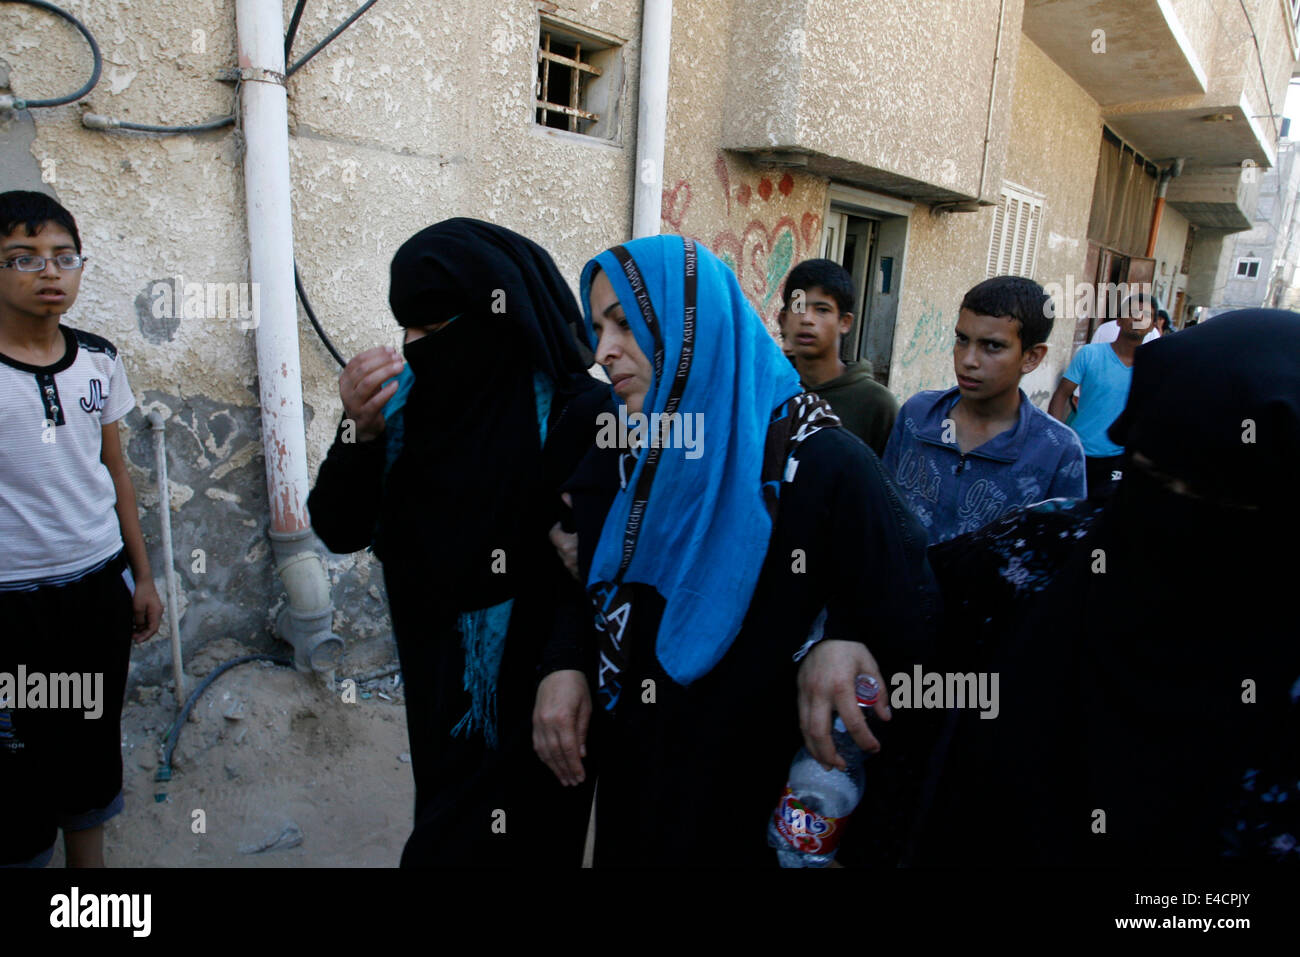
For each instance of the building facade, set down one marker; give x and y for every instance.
(927, 145)
(1257, 265)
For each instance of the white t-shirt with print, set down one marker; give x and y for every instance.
(57, 500)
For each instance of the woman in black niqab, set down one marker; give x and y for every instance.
(492, 413)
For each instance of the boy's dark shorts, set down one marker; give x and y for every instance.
(59, 768)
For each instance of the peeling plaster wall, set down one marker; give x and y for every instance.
(1053, 147)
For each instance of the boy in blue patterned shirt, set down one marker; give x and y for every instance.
(966, 456)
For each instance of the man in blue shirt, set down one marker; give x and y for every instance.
(1102, 372)
(966, 456)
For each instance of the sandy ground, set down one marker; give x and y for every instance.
(285, 773)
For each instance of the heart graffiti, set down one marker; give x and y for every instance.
(761, 257)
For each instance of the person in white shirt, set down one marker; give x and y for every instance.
(1109, 332)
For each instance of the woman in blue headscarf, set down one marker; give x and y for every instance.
(718, 513)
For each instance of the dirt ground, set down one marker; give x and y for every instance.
(285, 773)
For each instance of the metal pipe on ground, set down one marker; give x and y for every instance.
(159, 427)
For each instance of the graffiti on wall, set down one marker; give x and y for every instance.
(763, 250)
(931, 336)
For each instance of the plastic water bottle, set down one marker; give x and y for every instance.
(806, 827)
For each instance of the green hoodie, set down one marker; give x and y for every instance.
(866, 407)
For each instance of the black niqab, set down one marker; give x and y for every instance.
(470, 438)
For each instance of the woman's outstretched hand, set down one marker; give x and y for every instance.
(560, 719)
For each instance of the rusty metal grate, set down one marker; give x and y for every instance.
(562, 76)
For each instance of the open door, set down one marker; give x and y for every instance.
(1141, 271)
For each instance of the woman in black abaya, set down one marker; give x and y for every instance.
(455, 488)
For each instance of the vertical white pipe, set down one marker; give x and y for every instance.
(260, 26)
(305, 621)
(652, 116)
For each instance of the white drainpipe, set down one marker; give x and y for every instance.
(307, 620)
(652, 116)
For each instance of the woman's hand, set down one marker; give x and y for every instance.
(827, 682)
(560, 719)
(362, 389)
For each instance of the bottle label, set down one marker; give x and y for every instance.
(806, 830)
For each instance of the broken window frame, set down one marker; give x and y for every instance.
(543, 103)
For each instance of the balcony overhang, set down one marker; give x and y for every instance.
(873, 178)
(1221, 199)
(1203, 135)
(1141, 53)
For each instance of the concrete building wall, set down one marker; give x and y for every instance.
(1266, 240)
(1260, 74)
(418, 112)
(1199, 23)
(1053, 145)
(1171, 242)
(868, 89)
(1206, 271)
(760, 220)
(424, 111)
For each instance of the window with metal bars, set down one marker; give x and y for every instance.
(1013, 245)
(579, 80)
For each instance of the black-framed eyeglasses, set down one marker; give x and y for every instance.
(37, 263)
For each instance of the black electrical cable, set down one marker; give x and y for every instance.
(293, 28)
(288, 45)
(192, 128)
(1259, 58)
(174, 732)
(311, 316)
(326, 42)
(20, 104)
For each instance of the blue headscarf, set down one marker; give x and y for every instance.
(696, 529)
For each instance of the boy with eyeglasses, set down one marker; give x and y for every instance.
(75, 582)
